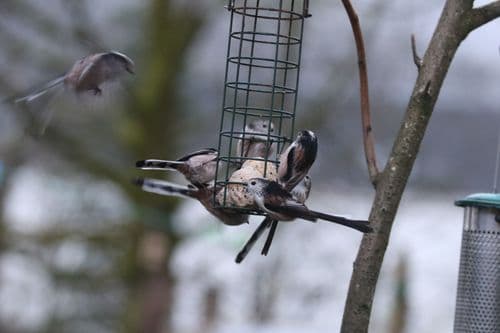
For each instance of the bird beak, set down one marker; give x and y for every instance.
(130, 70)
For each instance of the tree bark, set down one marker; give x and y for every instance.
(456, 21)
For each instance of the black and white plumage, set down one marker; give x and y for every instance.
(254, 143)
(198, 168)
(87, 74)
(279, 205)
(299, 193)
(253, 239)
(297, 159)
(204, 195)
(295, 163)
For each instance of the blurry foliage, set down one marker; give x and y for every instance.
(141, 122)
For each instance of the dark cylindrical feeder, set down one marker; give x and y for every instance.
(261, 80)
(478, 293)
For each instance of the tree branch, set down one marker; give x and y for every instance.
(416, 59)
(448, 35)
(482, 15)
(368, 140)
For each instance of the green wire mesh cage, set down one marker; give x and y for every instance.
(261, 83)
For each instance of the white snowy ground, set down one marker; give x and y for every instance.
(301, 286)
(309, 266)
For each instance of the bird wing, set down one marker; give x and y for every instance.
(289, 164)
(118, 55)
(292, 209)
(198, 152)
(89, 62)
(105, 64)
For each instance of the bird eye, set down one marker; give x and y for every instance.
(253, 183)
(265, 126)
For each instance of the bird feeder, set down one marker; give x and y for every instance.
(261, 80)
(478, 294)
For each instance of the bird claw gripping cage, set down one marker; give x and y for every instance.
(261, 82)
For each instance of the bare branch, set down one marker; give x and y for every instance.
(416, 59)
(368, 140)
(484, 14)
(451, 30)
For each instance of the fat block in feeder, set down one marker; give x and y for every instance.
(236, 191)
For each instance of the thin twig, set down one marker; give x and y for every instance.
(368, 140)
(416, 59)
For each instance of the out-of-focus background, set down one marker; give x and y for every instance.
(82, 250)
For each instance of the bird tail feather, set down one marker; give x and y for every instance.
(360, 225)
(164, 188)
(251, 241)
(40, 91)
(152, 164)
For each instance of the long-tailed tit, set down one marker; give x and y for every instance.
(299, 193)
(236, 193)
(204, 195)
(87, 74)
(254, 142)
(198, 167)
(297, 159)
(279, 204)
(295, 163)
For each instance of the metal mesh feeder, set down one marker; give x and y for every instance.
(478, 292)
(261, 82)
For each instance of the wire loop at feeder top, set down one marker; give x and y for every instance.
(260, 92)
(270, 9)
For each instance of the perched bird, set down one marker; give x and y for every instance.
(299, 193)
(198, 167)
(297, 159)
(279, 204)
(295, 163)
(254, 142)
(204, 195)
(87, 74)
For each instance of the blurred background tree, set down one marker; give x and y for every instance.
(85, 251)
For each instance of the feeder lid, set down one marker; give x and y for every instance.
(488, 200)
